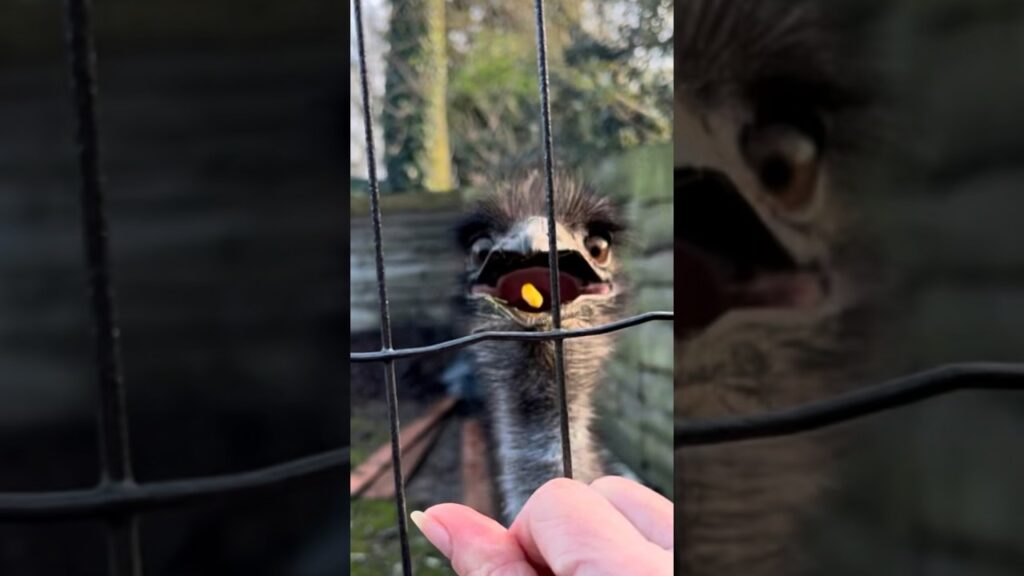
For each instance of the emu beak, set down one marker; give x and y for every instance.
(517, 272)
(530, 237)
(730, 259)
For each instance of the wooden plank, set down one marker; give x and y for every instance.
(477, 489)
(380, 461)
(384, 485)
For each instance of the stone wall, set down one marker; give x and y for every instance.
(637, 406)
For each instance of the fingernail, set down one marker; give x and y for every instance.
(433, 530)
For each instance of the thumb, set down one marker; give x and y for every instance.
(475, 544)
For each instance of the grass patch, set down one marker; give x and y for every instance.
(367, 434)
(375, 543)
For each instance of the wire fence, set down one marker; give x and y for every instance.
(557, 336)
(805, 418)
(861, 402)
(119, 500)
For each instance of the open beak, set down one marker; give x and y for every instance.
(727, 258)
(517, 273)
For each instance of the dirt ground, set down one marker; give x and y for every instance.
(374, 532)
(375, 543)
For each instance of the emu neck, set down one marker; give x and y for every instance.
(525, 412)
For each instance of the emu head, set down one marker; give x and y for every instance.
(762, 103)
(505, 240)
(766, 120)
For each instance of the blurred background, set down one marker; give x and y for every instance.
(930, 176)
(221, 130)
(456, 103)
(935, 488)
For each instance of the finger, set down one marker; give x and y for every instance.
(575, 531)
(475, 544)
(650, 512)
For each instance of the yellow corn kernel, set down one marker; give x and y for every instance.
(532, 296)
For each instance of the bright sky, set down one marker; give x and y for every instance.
(375, 15)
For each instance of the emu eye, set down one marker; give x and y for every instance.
(480, 249)
(786, 161)
(599, 248)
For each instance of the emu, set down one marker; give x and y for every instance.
(769, 309)
(505, 239)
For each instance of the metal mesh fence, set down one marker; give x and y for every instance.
(865, 401)
(119, 500)
(387, 355)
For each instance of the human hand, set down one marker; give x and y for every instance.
(612, 527)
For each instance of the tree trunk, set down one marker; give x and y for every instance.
(438, 169)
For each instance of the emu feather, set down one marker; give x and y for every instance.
(509, 232)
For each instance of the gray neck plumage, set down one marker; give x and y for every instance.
(524, 412)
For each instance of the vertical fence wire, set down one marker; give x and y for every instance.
(382, 295)
(556, 296)
(114, 448)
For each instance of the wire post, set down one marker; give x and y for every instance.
(556, 295)
(114, 448)
(382, 295)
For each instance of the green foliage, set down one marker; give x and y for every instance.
(609, 70)
(495, 69)
(375, 545)
(608, 92)
(493, 93)
(417, 151)
(358, 186)
(403, 115)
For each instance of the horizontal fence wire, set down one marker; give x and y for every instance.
(118, 499)
(889, 395)
(457, 343)
(865, 401)
(121, 498)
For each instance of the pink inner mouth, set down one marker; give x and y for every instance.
(510, 287)
(797, 290)
(703, 294)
